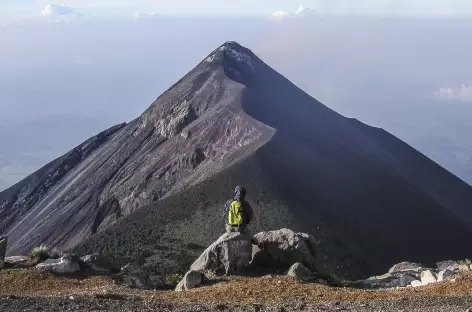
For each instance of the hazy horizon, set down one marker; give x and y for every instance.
(64, 80)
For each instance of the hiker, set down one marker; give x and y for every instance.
(238, 212)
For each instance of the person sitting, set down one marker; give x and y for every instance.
(238, 212)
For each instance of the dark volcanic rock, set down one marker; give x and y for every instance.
(19, 262)
(299, 271)
(3, 249)
(389, 280)
(406, 266)
(360, 191)
(136, 276)
(443, 265)
(97, 263)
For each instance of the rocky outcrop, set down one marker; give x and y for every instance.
(3, 250)
(231, 253)
(67, 264)
(426, 277)
(413, 274)
(97, 263)
(191, 280)
(19, 262)
(445, 274)
(299, 271)
(443, 265)
(388, 280)
(457, 266)
(135, 276)
(283, 248)
(406, 267)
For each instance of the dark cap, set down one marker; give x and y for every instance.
(239, 189)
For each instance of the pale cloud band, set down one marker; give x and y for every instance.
(54, 10)
(461, 94)
(301, 11)
(141, 15)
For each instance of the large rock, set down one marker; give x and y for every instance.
(427, 277)
(453, 266)
(136, 276)
(406, 267)
(299, 271)
(443, 265)
(67, 264)
(191, 280)
(443, 275)
(97, 263)
(231, 253)
(389, 280)
(3, 249)
(19, 262)
(283, 248)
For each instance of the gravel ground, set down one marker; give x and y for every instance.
(30, 290)
(53, 304)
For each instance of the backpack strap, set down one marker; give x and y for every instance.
(228, 205)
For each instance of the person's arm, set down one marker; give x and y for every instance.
(250, 212)
(225, 211)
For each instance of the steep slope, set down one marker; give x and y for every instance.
(369, 198)
(140, 164)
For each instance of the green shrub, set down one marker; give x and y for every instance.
(174, 278)
(44, 252)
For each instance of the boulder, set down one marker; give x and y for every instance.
(406, 267)
(191, 280)
(443, 265)
(443, 275)
(67, 264)
(389, 280)
(3, 249)
(455, 266)
(135, 276)
(428, 277)
(299, 271)
(98, 263)
(19, 262)
(231, 253)
(283, 248)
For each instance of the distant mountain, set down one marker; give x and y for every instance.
(154, 188)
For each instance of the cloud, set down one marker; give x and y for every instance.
(281, 13)
(304, 11)
(461, 94)
(301, 11)
(141, 15)
(56, 10)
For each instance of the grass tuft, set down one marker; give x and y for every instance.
(44, 252)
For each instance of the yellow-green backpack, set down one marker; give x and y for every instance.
(235, 214)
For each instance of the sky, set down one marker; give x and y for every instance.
(17, 9)
(67, 71)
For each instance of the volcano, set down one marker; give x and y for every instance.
(154, 188)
